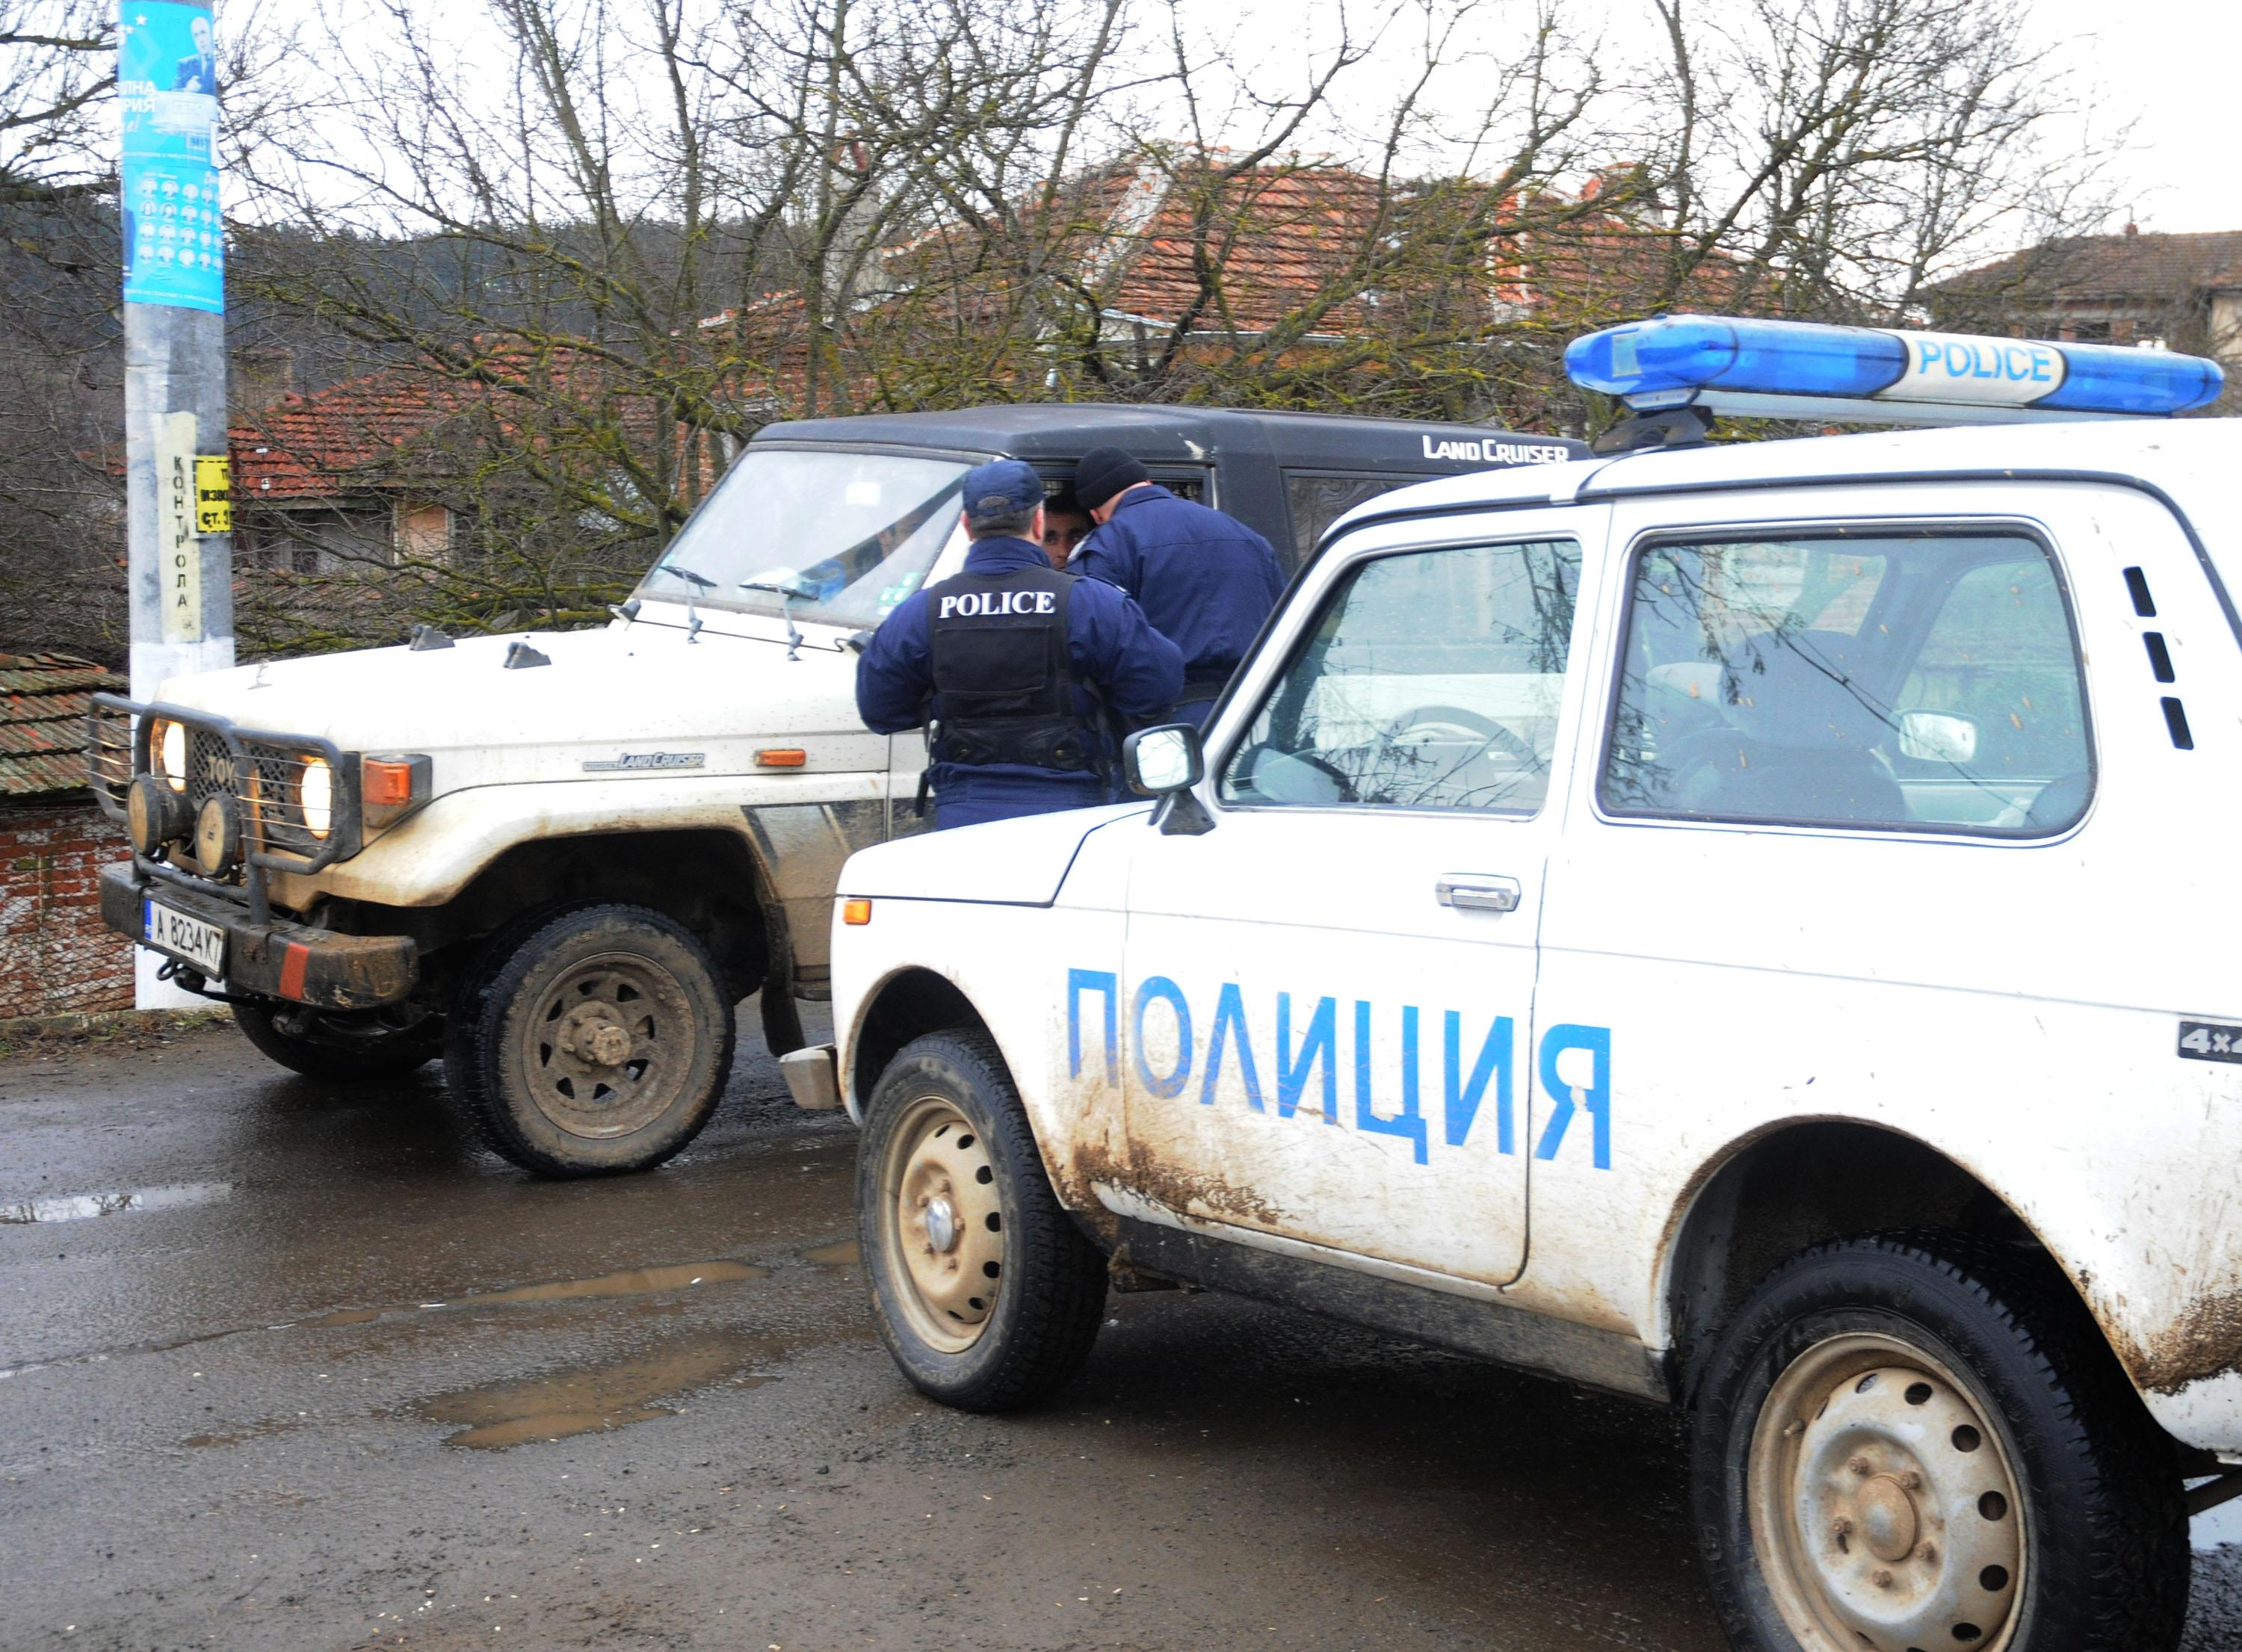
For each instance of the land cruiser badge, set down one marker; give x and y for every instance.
(646, 761)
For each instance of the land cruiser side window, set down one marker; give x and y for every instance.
(1318, 499)
(1431, 680)
(1925, 682)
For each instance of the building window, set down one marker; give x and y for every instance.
(422, 533)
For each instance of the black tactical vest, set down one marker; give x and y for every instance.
(1001, 666)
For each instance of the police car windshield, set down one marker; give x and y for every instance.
(839, 537)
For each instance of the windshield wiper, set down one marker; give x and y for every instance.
(699, 582)
(780, 587)
(788, 592)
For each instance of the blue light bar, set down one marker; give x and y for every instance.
(1806, 370)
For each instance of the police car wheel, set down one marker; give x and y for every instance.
(599, 1046)
(345, 1049)
(1918, 1442)
(983, 1290)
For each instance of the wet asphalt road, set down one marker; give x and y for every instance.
(340, 1379)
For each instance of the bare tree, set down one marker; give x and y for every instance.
(632, 229)
(1832, 157)
(608, 239)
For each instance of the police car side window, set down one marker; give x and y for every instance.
(1431, 679)
(1920, 682)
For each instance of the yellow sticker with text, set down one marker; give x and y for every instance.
(213, 495)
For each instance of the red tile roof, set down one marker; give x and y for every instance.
(360, 433)
(1280, 238)
(42, 705)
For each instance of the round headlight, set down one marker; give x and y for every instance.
(315, 796)
(167, 751)
(154, 814)
(217, 834)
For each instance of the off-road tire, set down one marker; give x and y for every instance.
(1050, 1296)
(673, 1018)
(2103, 1544)
(486, 956)
(345, 1057)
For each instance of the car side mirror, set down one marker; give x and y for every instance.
(1162, 759)
(1937, 737)
(1165, 763)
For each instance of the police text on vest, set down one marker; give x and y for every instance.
(972, 603)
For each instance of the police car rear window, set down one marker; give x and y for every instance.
(1924, 682)
(1431, 679)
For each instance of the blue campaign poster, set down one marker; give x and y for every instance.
(167, 84)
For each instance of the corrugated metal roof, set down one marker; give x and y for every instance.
(43, 707)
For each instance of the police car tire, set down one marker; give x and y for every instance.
(2109, 1560)
(488, 1048)
(1052, 1298)
(345, 1058)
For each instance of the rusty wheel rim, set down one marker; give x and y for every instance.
(1883, 1506)
(608, 1047)
(942, 1227)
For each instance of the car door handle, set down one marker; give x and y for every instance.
(1474, 892)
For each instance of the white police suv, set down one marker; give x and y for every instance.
(1749, 927)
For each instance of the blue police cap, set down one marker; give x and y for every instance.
(1003, 487)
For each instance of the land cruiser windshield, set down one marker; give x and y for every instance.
(840, 538)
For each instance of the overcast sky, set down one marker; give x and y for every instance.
(2174, 67)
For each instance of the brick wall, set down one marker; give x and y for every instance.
(54, 956)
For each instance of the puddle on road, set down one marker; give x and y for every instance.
(635, 1282)
(844, 1252)
(81, 1207)
(631, 1281)
(594, 1401)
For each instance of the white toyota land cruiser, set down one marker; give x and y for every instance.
(1750, 928)
(562, 859)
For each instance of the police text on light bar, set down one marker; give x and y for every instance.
(1805, 370)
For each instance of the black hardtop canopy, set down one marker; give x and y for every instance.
(1047, 433)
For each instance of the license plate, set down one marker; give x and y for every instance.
(184, 935)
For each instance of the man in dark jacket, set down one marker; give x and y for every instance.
(1013, 665)
(1205, 580)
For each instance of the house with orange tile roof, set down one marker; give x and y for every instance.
(1100, 283)
(382, 469)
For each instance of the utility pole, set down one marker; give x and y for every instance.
(180, 559)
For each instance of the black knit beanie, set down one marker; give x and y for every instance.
(1102, 473)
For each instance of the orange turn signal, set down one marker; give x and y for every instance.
(391, 785)
(388, 784)
(782, 757)
(855, 912)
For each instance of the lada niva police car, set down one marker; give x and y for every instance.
(561, 860)
(1749, 927)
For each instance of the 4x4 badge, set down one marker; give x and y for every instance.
(646, 761)
(2209, 1042)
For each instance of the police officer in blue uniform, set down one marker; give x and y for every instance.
(1019, 671)
(1202, 579)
